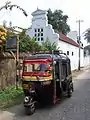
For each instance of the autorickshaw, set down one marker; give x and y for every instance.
(46, 76)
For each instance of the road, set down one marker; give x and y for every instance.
(75, 108)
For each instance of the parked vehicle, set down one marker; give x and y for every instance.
(46, 76)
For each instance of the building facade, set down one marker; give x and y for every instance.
(41, 30)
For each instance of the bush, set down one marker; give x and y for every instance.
(10, 96)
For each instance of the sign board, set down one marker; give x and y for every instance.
(11, 44)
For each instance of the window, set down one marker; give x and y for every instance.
(41, 39)
(67, 52)
(63, 70)
(38, 39)
(72, 53)
(41, 34)
(35, 30)
(38, 30)
(35, 67)
(35, 39)
(41, 29)
(35, 35)
(27, 68)
(38, 34)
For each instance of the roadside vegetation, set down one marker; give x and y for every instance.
(10, 96)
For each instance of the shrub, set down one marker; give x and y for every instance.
(10, 96)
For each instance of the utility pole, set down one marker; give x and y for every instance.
(17, 61)
(79, 38)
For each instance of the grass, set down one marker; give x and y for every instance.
(10, 96)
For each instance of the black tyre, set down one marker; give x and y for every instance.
(69, 92)
(72, 88)
(30, 110)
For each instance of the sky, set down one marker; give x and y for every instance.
(75, 9)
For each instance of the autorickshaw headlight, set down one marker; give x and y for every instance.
(25, 86)
(26, 99)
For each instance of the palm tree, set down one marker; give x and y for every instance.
(48, 46)
(87, 35)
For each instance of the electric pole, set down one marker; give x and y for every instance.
(79, 38)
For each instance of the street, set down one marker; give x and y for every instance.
(75, 108)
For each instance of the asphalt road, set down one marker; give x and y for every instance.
(75, 108)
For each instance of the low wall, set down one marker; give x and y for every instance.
(87, 60)
(7, 70)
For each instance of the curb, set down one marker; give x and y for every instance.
(75, 73)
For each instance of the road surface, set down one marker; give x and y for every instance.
(75, 108)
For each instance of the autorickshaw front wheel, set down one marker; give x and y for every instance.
(30, 109)
(69, 91)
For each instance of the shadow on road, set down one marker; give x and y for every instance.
(19, 109)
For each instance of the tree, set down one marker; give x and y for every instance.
(31, 45)
(3, 37)
(87, 48)
(58, 21)
(87, 38)
(48, 46)
(28, 44)
(87, 35)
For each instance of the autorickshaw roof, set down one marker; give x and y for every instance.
(55, 57)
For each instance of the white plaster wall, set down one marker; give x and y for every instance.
(40, 21)
(74, 59)
(48, 32)
(86, 60)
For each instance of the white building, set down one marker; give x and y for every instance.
(41, 30)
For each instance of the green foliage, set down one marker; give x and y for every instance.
(9, 34)
(87, 48)
(87, 35)
(48, 46)
(28, 44)
(58, 21)
(10, 96)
